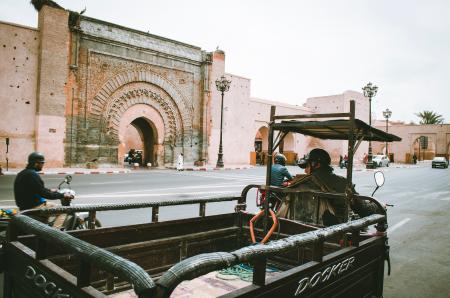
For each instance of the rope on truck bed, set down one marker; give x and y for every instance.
(201, 264)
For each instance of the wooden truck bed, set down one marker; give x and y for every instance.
(160, 259)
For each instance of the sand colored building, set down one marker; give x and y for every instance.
(80, 89)
(425, 141)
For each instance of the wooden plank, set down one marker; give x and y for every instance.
(259, 271)
(84, 273)
(41, 251)
(91, 219)
(27, 273)
(155, 214)
(356, 263)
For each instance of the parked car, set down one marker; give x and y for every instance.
(380, 160)
(439, 162)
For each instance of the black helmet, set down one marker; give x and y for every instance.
(280, 159)
(315, 156)
(35, 157)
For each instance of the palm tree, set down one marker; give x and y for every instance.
(430, 117)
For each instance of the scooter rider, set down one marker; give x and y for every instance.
(29, 189)
(279, 171)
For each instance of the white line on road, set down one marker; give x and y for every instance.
(136, 195)
(111, 182)
(224, 176)
(398, 225)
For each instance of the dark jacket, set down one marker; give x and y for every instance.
(29, 190)
(278, 174)
(324, 180)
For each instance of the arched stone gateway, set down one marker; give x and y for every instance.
(142, 127)
(129, 96)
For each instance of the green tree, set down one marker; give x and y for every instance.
(430, 117)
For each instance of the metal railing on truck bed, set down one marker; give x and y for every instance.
(27, 267)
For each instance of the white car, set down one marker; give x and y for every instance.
(380, 160)
(438, 162)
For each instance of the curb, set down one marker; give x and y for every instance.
(126, 171)
(211, 169)
(73, 172)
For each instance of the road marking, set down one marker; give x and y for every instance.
(136, 195)
(446, 199)
(398, 225)
(439, 195)
(111, 182)
(208, 186)
(223, 176)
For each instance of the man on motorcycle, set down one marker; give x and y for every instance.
(279, 171)
(279, 175)
(320, 177)
(29, 189)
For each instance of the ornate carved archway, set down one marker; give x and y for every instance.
(104, 94)
(142, 88)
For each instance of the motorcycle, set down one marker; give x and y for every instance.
(74, 220)
(343, 164)
(275, 199)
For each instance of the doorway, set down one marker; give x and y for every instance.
(140, 136)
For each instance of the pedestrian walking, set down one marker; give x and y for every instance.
(180, 162)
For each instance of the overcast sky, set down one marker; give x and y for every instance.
(292, 50)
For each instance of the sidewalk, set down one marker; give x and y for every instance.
(422, 164)
(213, 168)
(124, 170)
(73, 171)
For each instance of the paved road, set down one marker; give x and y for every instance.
(419, 227)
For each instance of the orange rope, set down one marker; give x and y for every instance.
(272, 229)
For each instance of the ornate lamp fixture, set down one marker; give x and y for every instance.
(387, 114)
(370, 91)
(223, 85)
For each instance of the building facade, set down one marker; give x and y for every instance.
(80, 89)
(425, 141)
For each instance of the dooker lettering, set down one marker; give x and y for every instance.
(49, 288)
(323, 276)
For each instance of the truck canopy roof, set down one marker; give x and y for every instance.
(335, 130)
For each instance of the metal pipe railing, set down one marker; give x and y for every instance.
(87, 253)
(201, 264)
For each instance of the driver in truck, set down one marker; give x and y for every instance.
(320, 177)
(30, 191)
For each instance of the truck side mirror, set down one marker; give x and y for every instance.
(379, 178)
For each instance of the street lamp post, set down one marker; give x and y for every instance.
(370, 91)
(223, 85)
(387, 114)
